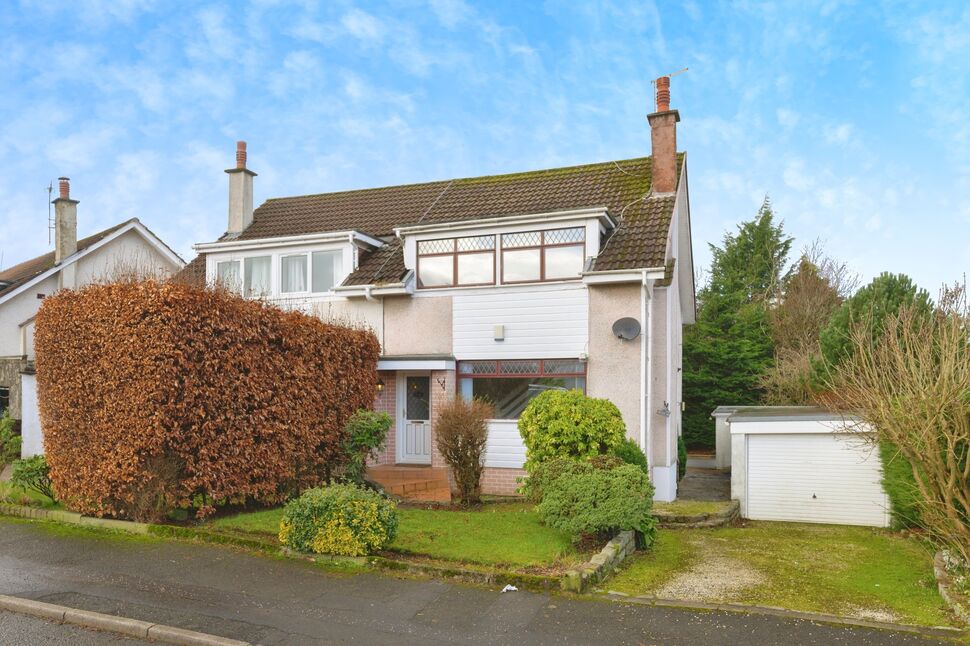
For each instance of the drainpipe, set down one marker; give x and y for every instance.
(646, 364)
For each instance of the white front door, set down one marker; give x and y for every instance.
(414, 418)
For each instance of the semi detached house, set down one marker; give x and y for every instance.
(496, 287)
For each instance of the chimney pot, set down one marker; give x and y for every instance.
(663, 94)
(240, 154)
(64, 185)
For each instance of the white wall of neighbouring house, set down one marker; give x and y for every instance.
(130, 254)
(33, 438)
(19, 309)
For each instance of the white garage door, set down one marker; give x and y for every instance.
(819, 477)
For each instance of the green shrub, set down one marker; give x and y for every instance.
(569, 424)
(545, 472)
(366, 433)
(10, 442)
(900, 485)
(629, 451)
(33, 473)
(342, 519)
(461, 430)
(589, 501)
(681, 458)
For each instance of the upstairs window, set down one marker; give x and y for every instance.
(256, 276)
(293, 274)
(326, 266)
(456, 262)
(227, 273)
(535, 256)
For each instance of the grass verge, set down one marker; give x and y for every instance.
(850, 571)
(17, 496)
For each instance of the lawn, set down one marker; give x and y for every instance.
(17, 496)
(504, 534)
(851, 571)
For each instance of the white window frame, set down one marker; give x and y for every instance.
(306, 274)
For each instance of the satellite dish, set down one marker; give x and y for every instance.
(626, 328)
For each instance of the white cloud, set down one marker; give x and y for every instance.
(796, 176)
(840, 134)
(451, 13)
(362, 25)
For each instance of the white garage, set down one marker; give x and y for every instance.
(807, 465)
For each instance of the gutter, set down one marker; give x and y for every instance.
(260, 243)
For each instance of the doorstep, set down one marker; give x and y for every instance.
(414, 483)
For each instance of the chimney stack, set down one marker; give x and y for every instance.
(663, 140)
(240, 193)
(65, 231)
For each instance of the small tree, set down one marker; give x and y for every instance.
(910, 382)
(366, 433)
(460, 433)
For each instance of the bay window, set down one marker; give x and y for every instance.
(509, 385)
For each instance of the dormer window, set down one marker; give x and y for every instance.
(456, 262)
(227, 273)
(257, 277)
(535, 256)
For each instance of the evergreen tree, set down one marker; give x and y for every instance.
(728, 349)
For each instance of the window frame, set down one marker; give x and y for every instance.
(247, 292)
(338, 253)
(527, 375)
(541, 247)
(454, 253)
(237, 289)
(307, 274)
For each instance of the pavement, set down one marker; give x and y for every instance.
(270, 600)
(20, 629)
(704, 484)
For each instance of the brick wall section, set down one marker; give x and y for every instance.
(442, 391)
(501, 482)
(386, 402)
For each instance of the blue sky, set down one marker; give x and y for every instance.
(852, 116)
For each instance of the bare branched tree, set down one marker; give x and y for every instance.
(911, 384)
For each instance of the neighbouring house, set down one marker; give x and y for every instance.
(497, 287)
(126, 248)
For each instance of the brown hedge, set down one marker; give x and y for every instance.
(161, 395)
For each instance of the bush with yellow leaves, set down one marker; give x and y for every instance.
(341, 519)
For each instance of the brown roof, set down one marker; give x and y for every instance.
(28, 269)
(621, 186)
(193, 273)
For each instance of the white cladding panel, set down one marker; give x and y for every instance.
(541, 323)
(504, 447)
(33, 437)
(816, 478)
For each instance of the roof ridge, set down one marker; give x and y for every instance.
(85, 241)
(540, 171)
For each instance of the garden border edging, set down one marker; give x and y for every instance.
(602, 564)
(959, 603)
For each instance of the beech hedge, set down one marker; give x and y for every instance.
(156, 396)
